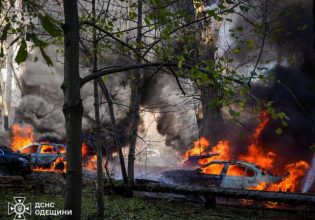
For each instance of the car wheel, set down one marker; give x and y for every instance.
(60, 166)
(4, 171)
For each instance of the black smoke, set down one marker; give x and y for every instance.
(290, 85)
(292, 92)
(176, 119)
(284, 31)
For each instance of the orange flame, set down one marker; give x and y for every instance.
(289, 183)
(59, 165)
(91, 163)
(21, 135)
(85, 150)
(222, 148)
(264, 120)
(199, 147)
(256, 154)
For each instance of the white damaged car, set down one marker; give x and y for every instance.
(221, 173)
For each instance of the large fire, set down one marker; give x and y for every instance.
(290, 182)
(59, 165)
(22, 135)
(256, 154)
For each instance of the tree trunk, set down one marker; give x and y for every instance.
(211, 124)
(313, 27)
(99, 146)
(135, 106)
(115, 130)
(135, 101)
(290, 198)
(72, 109)
(8, 89)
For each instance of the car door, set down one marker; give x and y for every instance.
(211, 174)
(238, 176)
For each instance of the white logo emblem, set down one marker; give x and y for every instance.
(19, 208)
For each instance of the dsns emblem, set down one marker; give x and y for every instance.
(19, 208)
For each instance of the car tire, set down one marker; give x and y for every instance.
(4, 170)
(60, 166)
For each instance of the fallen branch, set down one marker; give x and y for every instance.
(211, 192)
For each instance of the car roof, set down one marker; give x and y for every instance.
(244, 163)
(43, 143)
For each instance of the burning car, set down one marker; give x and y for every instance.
(46, 155)
(221, 173)
(13, 163)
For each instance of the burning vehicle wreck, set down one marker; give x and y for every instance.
(52, 156)
(116, 106)
(12, 163)
(46, 155)
(219, 173)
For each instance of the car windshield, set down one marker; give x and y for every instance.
(30, 149)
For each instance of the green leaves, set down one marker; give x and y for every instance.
(234, 114)
(278, 131)
(3, 37)
(37, 42)
(20, 29)
(46, 57)
(5, 32)
(244, 8)
(50, 25)
(22, 53)
(41, 44)
(181, 60)
(237, 50)
(277, 116)
(132, 15)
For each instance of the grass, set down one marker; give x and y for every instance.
(141, 208)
